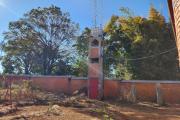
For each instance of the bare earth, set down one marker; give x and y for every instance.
(96, 110)
(49, 106)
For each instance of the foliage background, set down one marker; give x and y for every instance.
(45, 42)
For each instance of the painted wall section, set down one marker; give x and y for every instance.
(113, 89)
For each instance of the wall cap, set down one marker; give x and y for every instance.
(148, 81)
(79, 78)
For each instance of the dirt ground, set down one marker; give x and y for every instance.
(96, 110)
(49, 106)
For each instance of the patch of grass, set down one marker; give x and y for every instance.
(103, 112)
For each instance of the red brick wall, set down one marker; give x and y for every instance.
(53, 84)
(94, 52)
(77, 83)
(145, 90)
(114, 89)
(171, 92)
(60, 84)
(63, 84)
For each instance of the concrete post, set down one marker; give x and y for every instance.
(133, 94)
(159, 94)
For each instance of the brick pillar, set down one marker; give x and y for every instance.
(95, 65)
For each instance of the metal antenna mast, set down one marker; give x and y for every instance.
(95, 13)
(161, 7)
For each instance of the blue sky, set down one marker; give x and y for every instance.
(80, 10)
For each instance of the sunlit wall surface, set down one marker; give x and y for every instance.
(176, 9)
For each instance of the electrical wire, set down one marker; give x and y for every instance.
(151, 56)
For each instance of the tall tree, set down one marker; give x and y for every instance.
(82, 45)
(40, 38)
(20, 44)
(147, 45)
(114, 48)
(154, 15)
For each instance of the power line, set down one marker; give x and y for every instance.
(151, 56)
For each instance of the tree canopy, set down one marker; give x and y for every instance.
(38, 41)
(147, 45)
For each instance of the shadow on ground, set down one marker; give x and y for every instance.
(78, 107)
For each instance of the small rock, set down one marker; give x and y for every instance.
(55, 110)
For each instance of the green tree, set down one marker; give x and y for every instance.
(154, 15)
(114, 50)
(82, 45)
(145, 47)
(40, 39)
(157, 48)
(80, 67)
(8, 65)
(20, 45)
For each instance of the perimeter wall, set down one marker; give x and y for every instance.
(142, 90)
